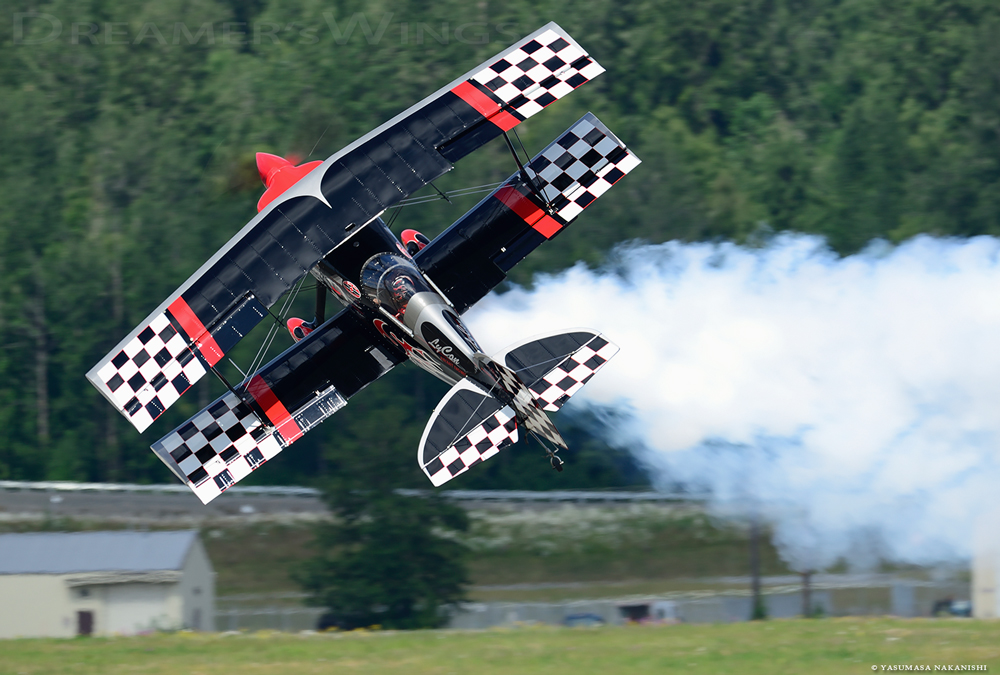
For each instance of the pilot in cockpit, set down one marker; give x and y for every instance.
(402, 289)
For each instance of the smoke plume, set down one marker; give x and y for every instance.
(853, 403)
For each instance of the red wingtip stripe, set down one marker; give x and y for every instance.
(547, 226)
(274, 409)
(486, 106)
(529, 211)
(203, 341)
(519, 204)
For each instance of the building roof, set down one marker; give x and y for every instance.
(71, 552)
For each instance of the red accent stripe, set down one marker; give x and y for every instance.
(548, 226)
(477, 99)
(529, 211)
(274, 409)
(486, 106)
(196, 331)
(520, 204)
(505, 120)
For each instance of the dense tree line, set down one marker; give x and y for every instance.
(128, 131)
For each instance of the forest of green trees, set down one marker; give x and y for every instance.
(128, 130)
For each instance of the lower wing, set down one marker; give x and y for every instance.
(472, 256)
(284, 400)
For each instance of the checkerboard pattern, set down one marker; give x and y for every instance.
(534, 419)
(219, 446)
(581, 165)
(150, 373)
(559, 384)
(497, 432)
(542, 70)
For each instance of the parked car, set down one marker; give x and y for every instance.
(585, 619)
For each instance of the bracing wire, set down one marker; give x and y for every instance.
(237, 368)
(527, 157)
(460, 192)
(318, 140)
(272, 332)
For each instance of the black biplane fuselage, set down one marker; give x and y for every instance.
(403, 299)
(374, 275)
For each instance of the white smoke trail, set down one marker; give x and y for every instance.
(855, 401)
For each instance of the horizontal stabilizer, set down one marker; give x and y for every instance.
(467, 427)
(556, 366)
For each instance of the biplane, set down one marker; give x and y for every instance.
(403, 298)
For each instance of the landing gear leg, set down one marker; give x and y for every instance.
(554, 459)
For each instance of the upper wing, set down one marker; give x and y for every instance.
(474, 255)
(285, 399)
(221, 302)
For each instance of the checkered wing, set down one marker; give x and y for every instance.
(475, 254)
(580, 166)
(556, 366)
(151, 371)
(467, 427)
(534, 74)
(218, 447)
(280, 403)
(226, 441)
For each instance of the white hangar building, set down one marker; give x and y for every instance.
(63, 584)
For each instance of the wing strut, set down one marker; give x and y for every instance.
(245, 397)
(529, 181)
(320, 304)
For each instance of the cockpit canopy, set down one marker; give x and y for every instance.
(391, 280)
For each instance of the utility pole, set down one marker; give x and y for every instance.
(757, 610)
(806, 594)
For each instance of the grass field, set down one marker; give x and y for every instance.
(798, 646)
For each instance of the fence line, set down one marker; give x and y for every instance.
(851, 597)
(575, 496)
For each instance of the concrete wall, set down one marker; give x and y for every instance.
(985, 565)
(136, 608)
(36, 606)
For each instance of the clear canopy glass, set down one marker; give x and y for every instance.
(391, 280)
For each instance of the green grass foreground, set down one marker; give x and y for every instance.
(850, 645)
